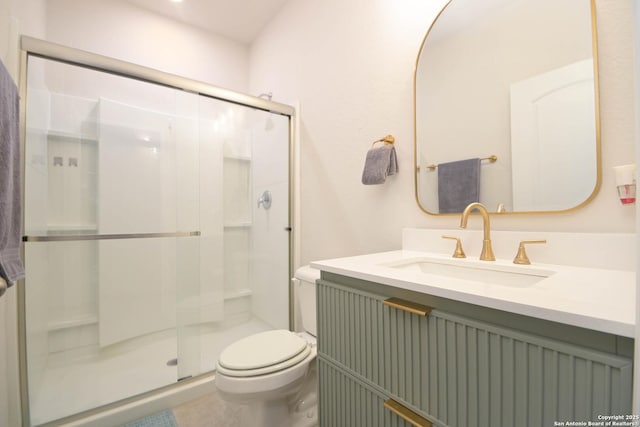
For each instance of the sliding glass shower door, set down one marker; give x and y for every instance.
(146, 249)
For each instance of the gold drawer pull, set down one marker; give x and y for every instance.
(406, 414)
(411, 307)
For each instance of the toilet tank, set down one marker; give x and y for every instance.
(305, 289)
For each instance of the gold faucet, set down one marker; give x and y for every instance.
(487, 251)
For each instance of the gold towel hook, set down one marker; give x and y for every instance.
(388, 140)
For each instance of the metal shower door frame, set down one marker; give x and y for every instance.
(43, 49)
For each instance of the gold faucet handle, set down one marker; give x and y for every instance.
(521, 256)
(459, 252)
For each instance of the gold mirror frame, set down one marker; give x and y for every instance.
(596, 87)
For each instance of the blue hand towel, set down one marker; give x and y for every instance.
(380, 163)
(11, 267)
(458, 185)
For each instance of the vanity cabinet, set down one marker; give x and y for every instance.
(347, 401)
(458, 365)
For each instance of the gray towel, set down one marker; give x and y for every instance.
(11, 267)
(458, 185)
(380, 163)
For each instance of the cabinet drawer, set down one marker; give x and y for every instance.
(345, 401)
(466, 373)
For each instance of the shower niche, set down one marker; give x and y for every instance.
(61, 169)
(237, 224)
(143, 243)
(72, 174)
(61, 163)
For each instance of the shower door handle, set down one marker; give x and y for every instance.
(265, 199)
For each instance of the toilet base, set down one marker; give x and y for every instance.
(267, 409)
(304, 411)
(291, 406)
(301, 412)
(267, 414)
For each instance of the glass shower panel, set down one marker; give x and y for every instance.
(148, 243)
(244, 246)
(112, 220)
(269, 237)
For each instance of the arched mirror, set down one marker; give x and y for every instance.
(506, 107)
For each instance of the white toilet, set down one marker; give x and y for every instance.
(273, 372)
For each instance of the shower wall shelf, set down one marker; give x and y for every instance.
(239, 224)
(87, 138)
(74, 322)
(234, 157)
(72, 334)
(240, 293)
(56, 229)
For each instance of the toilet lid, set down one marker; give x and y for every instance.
(263, 350)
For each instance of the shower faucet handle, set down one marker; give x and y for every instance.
(265, 199)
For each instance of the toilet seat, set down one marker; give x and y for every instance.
(262, 354)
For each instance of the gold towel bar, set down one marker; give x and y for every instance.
(492, 159)
(388, 140)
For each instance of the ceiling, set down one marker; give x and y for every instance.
(239, 20)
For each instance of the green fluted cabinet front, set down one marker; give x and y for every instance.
(453, 370)
(351, 402)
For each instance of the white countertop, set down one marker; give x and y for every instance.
(593, 298)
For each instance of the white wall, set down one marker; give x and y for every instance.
(19, 17)
(120, 30)
(350, 64)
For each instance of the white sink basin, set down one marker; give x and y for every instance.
(477, 271)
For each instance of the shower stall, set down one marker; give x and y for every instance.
(149, 242)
